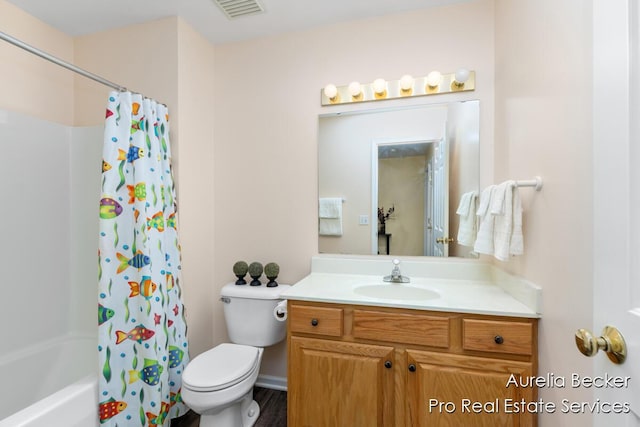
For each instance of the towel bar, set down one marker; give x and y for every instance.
(535, 182)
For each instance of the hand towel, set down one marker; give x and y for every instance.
(484, 239)
(502, 210)
(507, 210)
(330, 216)
(330, 207)
(468, 227)
(517, 240)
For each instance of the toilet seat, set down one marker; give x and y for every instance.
(221, 367)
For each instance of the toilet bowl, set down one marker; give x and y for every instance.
(218, 384)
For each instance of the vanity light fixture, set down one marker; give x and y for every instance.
(406, 84)
(461, 77)
(380, 88)
(355, 90)
(434, 79)
(406, 87)
(331, 92)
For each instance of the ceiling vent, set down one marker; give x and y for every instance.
(236, 8)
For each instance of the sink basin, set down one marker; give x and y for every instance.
(396, 291)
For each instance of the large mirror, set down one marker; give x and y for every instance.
(390, 181)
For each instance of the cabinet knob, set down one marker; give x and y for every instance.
(314, 322)
(388, 364)
(498, 339)
(412, 368)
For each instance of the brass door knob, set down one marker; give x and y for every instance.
(611, 342)
(444, 240)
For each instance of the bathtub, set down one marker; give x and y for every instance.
(52, 384)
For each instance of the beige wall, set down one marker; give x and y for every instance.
(543, 127)
(125, 56)
(267, 98)
(29, 84)
(195, 180)
(402, 185)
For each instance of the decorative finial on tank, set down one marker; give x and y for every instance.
(240, 270)
(271, 270)
(255, 271)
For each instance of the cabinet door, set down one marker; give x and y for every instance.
(455, 390)
(333, 383)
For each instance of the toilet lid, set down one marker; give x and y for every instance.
(221, 367)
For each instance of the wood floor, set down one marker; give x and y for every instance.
(273, 410)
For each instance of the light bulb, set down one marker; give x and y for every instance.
(355, 89)
(461, 76)
(406, 82)
(379, 86)
(330, 91)
(434, 79)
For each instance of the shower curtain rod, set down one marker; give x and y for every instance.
(60, 62)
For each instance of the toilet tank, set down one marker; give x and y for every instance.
(249, 313)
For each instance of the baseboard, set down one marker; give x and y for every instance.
(272, 382)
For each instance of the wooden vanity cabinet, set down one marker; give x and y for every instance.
(375, 366)
(340, 384)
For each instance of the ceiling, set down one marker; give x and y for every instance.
(79, 17)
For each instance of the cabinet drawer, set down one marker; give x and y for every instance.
(315, 320)
(497, 336)
(431, 331)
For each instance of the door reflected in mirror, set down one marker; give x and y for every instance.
(400, 174)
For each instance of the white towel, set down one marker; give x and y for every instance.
(468, 227)
(330, 215)
(501, 208)
(484, 239)
(517, 240)
(330, 207)
(507, 210)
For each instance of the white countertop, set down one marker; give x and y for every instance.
(479, 289)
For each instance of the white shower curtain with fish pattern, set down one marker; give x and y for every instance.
(142, 344)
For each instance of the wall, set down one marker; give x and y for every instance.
(29, 84)
(266, 120)
(462, 124)
(543, 127)
(402, 185)
(195, 180)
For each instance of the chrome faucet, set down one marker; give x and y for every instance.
(396, 276)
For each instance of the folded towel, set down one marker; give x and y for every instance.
(498, 199)
(330, 207)
(330, 227)
(517, 239)
(507, 210)
(330, 214)
(484, 239)
(468, 227)
(502, 209)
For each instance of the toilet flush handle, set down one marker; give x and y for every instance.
(225, 300)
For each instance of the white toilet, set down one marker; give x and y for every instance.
(218, 384)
